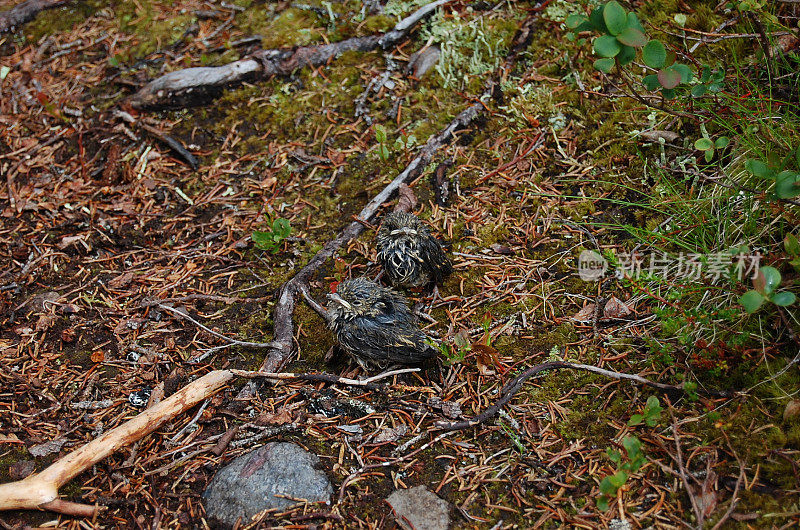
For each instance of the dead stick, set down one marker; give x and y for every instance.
(512, 387)
(25, 12)
(187, 86)
(40, 491)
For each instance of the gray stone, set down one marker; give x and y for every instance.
(419, 509)
(250, 483)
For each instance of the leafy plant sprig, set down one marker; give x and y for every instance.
(766, 283)
(787, 181)
(634, 460)
(651, 414)
(271, 238)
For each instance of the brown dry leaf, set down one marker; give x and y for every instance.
(45, 322)
(406, 199)
(121, 281)
(586, 314)
(504, 250)
(792, 410)
(282, 417)
(9, 439)
(707, 500)
(98, 356)
(615, 308)
(390, 435)
(486, 357)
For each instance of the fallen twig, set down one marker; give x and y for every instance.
(194, 85)
(40, 491)
(25, 12)
(513, 386)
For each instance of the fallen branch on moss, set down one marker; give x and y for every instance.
(514, 386)
(192, 86)
(25, 12)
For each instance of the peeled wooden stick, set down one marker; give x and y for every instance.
(40, 491)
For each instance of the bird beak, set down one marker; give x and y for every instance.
(338, 299)
(405, 231)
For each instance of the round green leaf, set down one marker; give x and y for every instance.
(636, 419)
(596, 19)
(618, 479)
(767, 280)
(654, 54)
(722, 142)
(650, 82)
(626, 55)
(633, 22)
(787, 184)
(685, 71)
(604, 65)
(669, 78)
(573, 21)
(758, 168)
(783, 298)
(703, 144)
(751, 301)
(632, 37)
(668, 93)
(715, 87)
(607, 46)
(709, 155)
(706, 75)
(615, 17)
(698, 91)
(792, 245)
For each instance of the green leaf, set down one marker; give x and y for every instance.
(607, 487)
(787, 184)
(636, 419)
(650, 82)
(722, 142)
(632, 37)
(686, 73)
(758, 168)
(633, 22)
(669, 78)
(604, 65)
(573, 21)
(607, 46)
(653, 403)
(618, 479)
(767, 280)
(654, 54)
(596, 19)
(783, 298)
(706, 75)
(797, 157)
(626, 55)
(751, 301)
(614, 455)
(709, 155)
(602, 503)
(380, 134)
(263, 240)
(281, 228)
(792, 245)
(703, 144)
(715, 87)
(632, 445)
(668, 93)
(615, 17)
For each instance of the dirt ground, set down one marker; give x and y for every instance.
(103, 220)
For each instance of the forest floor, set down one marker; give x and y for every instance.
(102, 221)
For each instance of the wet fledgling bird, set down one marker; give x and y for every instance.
(373, 324)
(408, 252)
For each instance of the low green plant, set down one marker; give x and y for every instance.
(621, 35)
(630, 463)
(380, 137)
(651, 414)
(765, 285)
(271, 238)
(787, 181)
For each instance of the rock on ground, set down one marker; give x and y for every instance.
(250, 483)
(419, 509)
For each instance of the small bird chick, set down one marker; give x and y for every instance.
(373, 324)
(408, 252)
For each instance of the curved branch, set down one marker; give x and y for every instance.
(25, 12)
(192, 86)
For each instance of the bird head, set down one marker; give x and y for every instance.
(398, 224)
(354, 298)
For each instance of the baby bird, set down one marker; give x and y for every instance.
(410, 255)
(373, 324)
